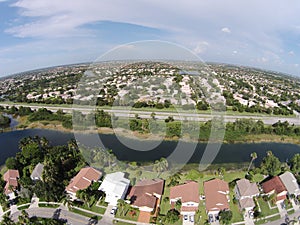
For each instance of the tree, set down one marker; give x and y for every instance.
(24, 218)
(270, 165)
(160, 166)
(221, 171)
(225, 216)
(172, 216)
(253, 156)
(6, 220)
(178, 204)
(84, 195)
(295, 163)
(11, 163)
(174, 179)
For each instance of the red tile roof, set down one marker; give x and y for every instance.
(11, 178)
(83, 179)
(189, 208)
(274, 184)
(215, 195)
(188, 192)
(143, 193)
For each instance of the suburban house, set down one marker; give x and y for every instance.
(188, 194)
(11, 178)
(216, 193)
(115, 186)
(244, 192)
(82, 180)
(275, 186)
(290, 182)
(37, 172)
(146, 194)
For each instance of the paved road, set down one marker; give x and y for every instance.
(163, 115)
(71, 217)
(293, 216)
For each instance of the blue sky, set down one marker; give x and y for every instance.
(40, 33)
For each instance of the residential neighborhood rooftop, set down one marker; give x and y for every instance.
(290, 182)
(188, 192)
(37, 171)
(246, 188)
(273, 184)
(83, 179)
(144, 192)
(11, 178)
(216, 191)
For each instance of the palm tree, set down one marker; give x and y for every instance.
(24, 217)
(221, 171)
(175, 179)
(6, 220)
(67, 201)
(121, 205)
(253, 156)
(160, 166)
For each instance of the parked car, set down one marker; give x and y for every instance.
(251, 214)
(210, 218)
(185, 217)
(113, 210)
(192, 218)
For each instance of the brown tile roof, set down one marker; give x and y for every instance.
(214, 199)
(246, 188)
(279, 198)
(273, 184)
(189, 209)
(188, 192)
(11, 178)
(83, 179)
(142, 194)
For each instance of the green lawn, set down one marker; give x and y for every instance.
(165, 206)
(291, 211)
(263, 221)
(128, 215)
(23, 207)
(265, 209)
(94, 208)
(48, 205)
(121, 223)
(237, 215)
(78, 211)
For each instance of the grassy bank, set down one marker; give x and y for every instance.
(56, 125)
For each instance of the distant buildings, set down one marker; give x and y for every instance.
(275, 186)
(146, 194)
(216, 193)
(82, 180)
(188, 194)
(11, 178)
(290, 182)
(115, 186)
(244, 192)
(37, 172)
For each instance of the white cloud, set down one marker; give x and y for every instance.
(291, 53)
(201, 47)
(226, 30)
(253, 30)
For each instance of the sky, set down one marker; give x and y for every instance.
(41, 33)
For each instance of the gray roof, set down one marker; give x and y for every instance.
(38, 171)
(290, 183)
(246, 203)
(246, 188)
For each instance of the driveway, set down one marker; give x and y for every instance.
(248, 220)
(282, 211)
